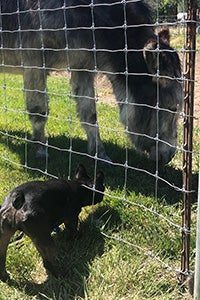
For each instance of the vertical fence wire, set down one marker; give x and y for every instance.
(189, 54)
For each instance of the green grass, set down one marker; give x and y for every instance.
(97, 267)
(178, 37)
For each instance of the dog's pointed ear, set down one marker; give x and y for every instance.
(80, 172)
(100, 177)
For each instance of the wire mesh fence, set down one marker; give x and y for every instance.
(69, 71)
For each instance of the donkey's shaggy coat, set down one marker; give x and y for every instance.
(84, 37)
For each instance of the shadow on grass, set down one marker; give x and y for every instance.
(75, 258)
(140, 178)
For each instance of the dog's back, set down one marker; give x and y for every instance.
(56, 199)
(36, 207)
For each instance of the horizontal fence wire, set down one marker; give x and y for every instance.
(64, 138)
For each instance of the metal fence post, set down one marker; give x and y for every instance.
(197, 258)
(188, 135)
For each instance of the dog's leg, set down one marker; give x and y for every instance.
(46, 247)
(72, 226)
(5, 237)
(39, 232)
(36, 101)
(83, 90)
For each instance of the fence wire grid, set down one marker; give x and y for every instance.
(45, 39)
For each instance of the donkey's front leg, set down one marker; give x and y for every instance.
(83, 90)
(37, 104)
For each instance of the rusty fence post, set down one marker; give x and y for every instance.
(188, 135)
(197, 258)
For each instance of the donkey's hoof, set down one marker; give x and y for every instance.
(105, 160)
(42, 153)
(103, 157)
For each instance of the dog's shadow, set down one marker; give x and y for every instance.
(75, 257)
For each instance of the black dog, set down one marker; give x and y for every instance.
(37, 207)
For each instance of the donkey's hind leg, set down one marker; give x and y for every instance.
(37, 104)
(83, 90)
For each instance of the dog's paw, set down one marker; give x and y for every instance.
(4, 276)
